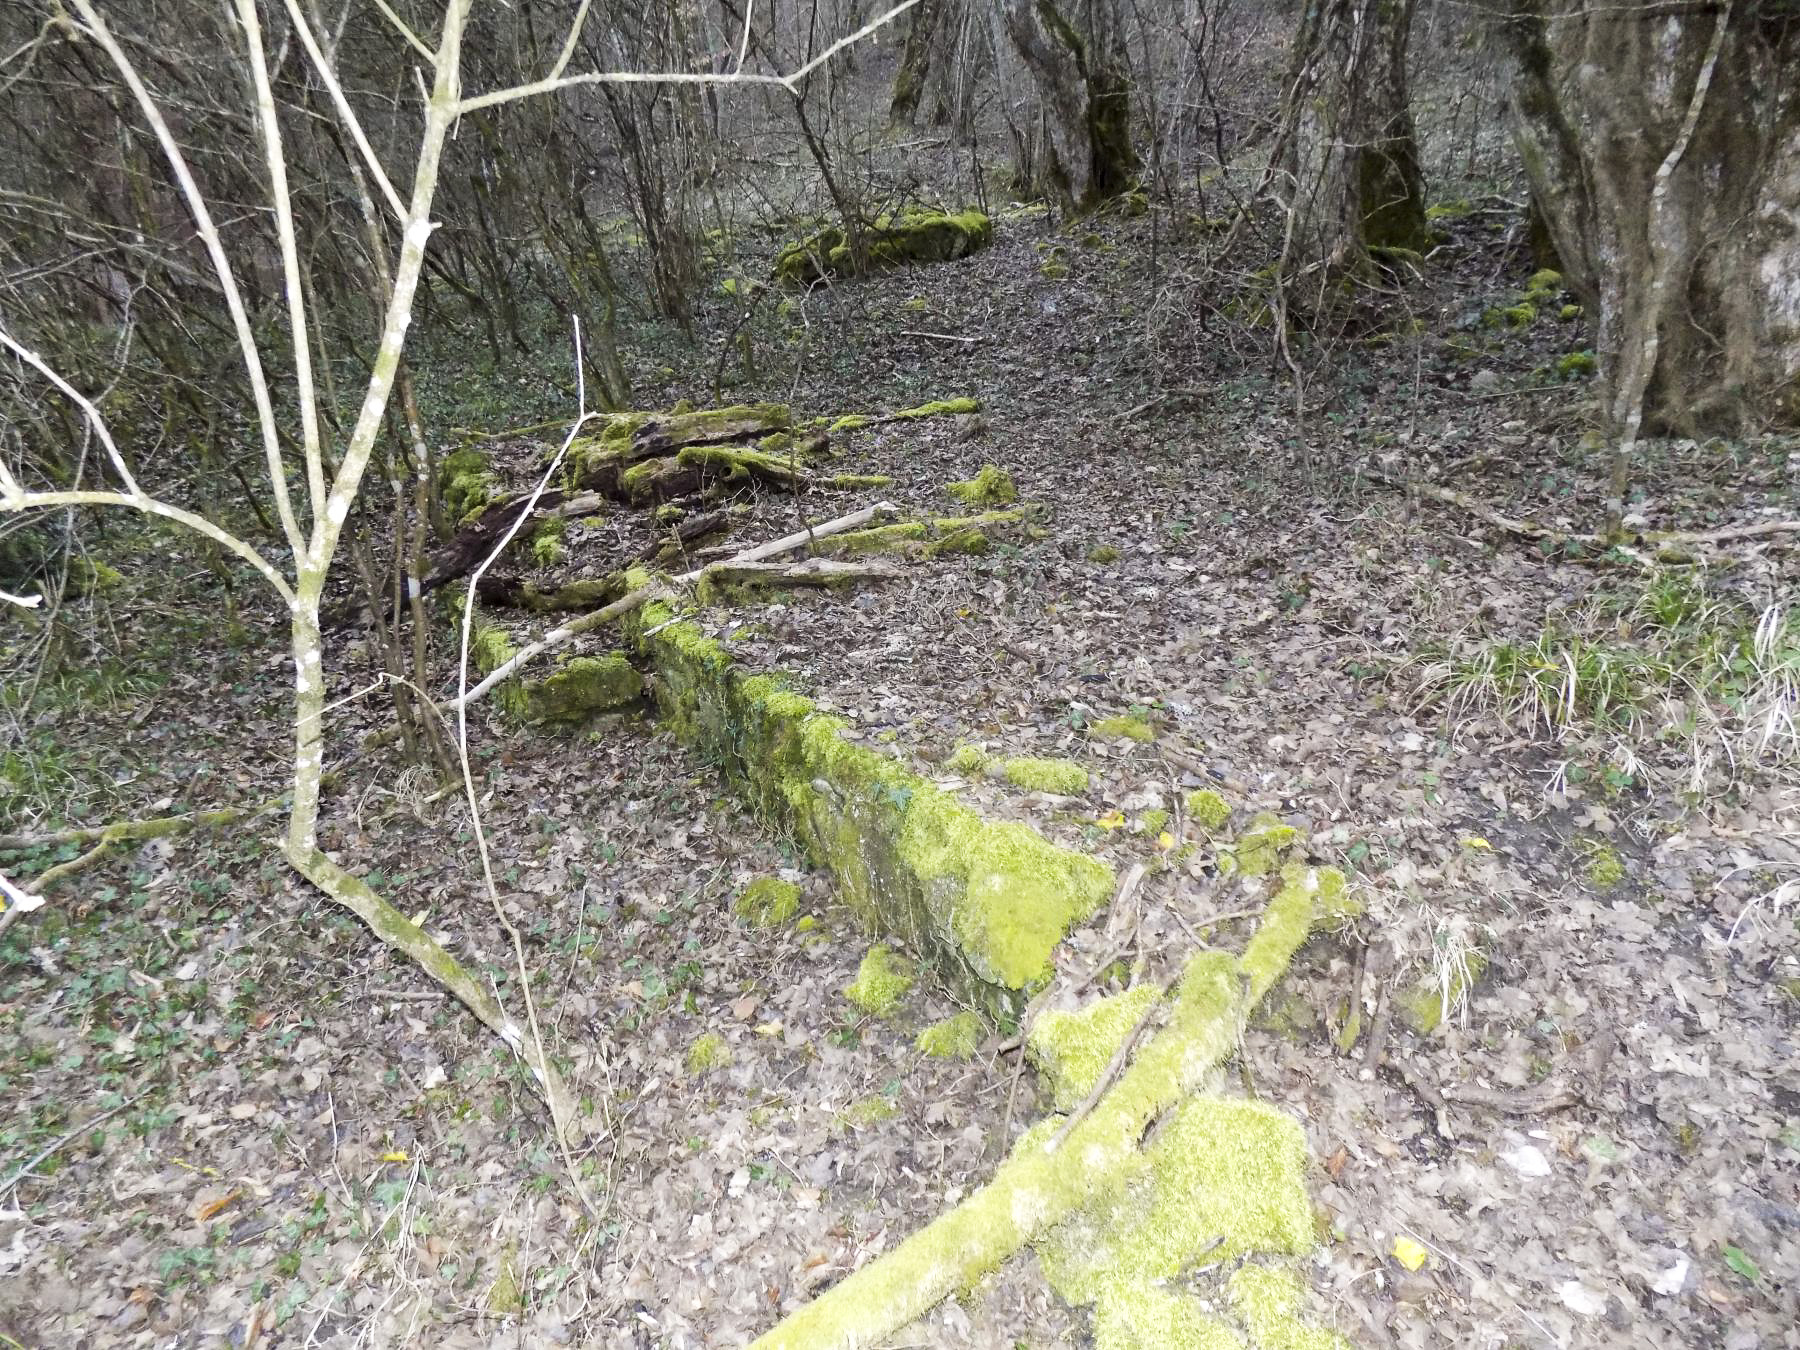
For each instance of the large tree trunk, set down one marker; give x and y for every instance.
(1686, 251)
(1078, 149)
(1350, 152)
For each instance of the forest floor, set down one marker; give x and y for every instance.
(309, 1145)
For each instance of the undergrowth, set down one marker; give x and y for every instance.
(1707, 674)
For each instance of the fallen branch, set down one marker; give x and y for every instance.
(401, 933)
(811, 572)
(128, 831)
(1528, 529)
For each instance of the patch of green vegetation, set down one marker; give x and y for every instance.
(1060, 776)
(1071, 1049)
(947, 407)
(869, 1111)
(1153, 822)
(1604, 870)
(1208, 808)
(1521, 315)
(547, 542)
(969, 760)
(1545, 284)
(882, 980)
(1576, 365)
(1054, 269)
(468, 483)
(968, 541)
(1261, 848)
(767, 902)
(862, 480)
(1132, 726)
(992, 486)
(953, 1038)
(1268, 1303)
(1103, 553)
(1569, 312)
(1454, 209)
(707, 1052)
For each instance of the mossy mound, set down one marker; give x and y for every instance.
(988, 901)
(881, 982)
(911, 238)
(1208, 809)
(954, 1038)
(583, 686)
(767, 902)
(1261, 848)
(1063, 777)
(969, 760)
(1576, 365)
(467, 483)
(709, 1051)
(920, 538)
(992, 486)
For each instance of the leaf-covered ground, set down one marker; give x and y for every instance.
(258, 1128)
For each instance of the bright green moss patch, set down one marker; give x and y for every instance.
(467, 483)
(708, 1051)
(1304, 896)
(1547, 283)
(1576, 365)
(582, 686)
(767, 902)
(946, 407)
(1224, 1172)
(1454, 209)
(1268, 1303)
(1103, 553)
(966, 541)
(1126, 726)
(969, 760)
(881, 982)
(1522, 315)
(547, 542)
(1136, 1314)
(1208, 808)
(1604, 870)
(490, 647)
(854, 422)
(954, 1038)
(861, 480)
(1061, 776)
(992, 486)
(1070, 1049)
(1153, 821)
(1262, 846)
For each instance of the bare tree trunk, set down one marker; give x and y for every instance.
(909, 80)
(1685, 252)
(1350, 152)
(1076, 61)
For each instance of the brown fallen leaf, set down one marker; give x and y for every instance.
(1335, 1163)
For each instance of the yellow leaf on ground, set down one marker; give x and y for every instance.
(1409, 1253)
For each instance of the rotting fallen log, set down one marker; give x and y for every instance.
(1038, 1187)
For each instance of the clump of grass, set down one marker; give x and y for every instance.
(1672, 662)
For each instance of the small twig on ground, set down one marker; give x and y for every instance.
(56, 1144)
(941, 337)
(1114, 1067)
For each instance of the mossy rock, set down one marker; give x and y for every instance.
(583, 686)
(1261, 848)
(1545, 284)
(911, 238)
(1103, 553)
(882, 980)
(1063, 777)
(992, 486)
(767, 902)
(1510, 316)
(987, 901)
(954, 1038)
(969, 760)
(467, 484)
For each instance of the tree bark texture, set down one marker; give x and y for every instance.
(1078, 147)
(1350, 151)
(1712, 271)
